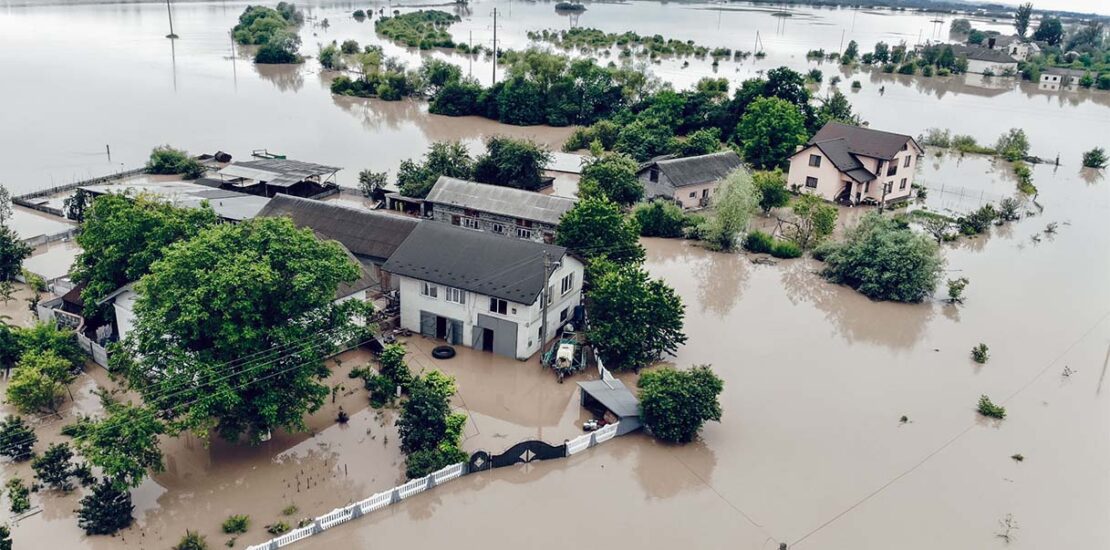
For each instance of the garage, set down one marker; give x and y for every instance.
(495, 335)
(441, 328)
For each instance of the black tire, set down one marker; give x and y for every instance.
(443, 352)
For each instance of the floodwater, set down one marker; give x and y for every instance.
(139, 89)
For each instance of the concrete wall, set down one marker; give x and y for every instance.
(526, 316)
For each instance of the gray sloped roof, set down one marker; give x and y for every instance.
(983, 54)
(277, 172)
(365, 279)
(836, 150)
(685, 171)
(365, 233)
(495, 199)
(614, 395)
(862, 141)
(502, 267)
(1063, 71)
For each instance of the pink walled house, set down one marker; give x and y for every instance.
(689, 181)
(852, 164)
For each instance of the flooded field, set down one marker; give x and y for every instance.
(140, 89)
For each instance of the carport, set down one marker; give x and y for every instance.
(613, 397)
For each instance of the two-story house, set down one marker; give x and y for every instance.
(481, 290)
(502, 210)
(853, 164)
(689, 181)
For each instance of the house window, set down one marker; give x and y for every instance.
(906, 163)
(498, 228)
(653, 175)
(811, 182)
(867, 187)
(456, 220)
(892, 169)
(429, 290)
(524, 223)
(523, 233)
(564, 314)
(456, 295)
(888, 187)
(704, 193)
(693, 194)
(903, 184)
(470, 223)
(815, 161)
(539, 333)
(498, 305)
(567, 285)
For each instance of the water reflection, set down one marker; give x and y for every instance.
(721, 282)
(853, 316)
(287, 78)
(696, 458)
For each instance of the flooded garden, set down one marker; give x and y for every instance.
(848, 423)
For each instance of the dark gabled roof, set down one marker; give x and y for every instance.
(983, 54)
(502, 267)
(365, 278)
(836, 150)
(496, 199)
(863, 141)
(366, 233)
(697, 170)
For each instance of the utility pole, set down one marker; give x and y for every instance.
(470, 67)
(841, 41)
(169, 13)
(495, 48)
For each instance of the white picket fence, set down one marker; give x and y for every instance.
(380, 500)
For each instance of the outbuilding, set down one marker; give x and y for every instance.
(613, 400)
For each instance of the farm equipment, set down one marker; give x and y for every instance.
(565, 357)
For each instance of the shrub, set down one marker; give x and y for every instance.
(278, 528)
(659, 219)
(1024, 178)
(55, 467)
(1013, 145)
(978, 221)
(884, 260)
(18, 496)
(105, 510)
(17, 439)
(989, 409)
(192, 541)
(1009, 209)
(956, 289)
(236, 524)
(289, 510)
(786, 249)
(675, 404)
(907, 68)
(382, 390)
(349, 47)
(393, 365)
(1095, 158)
(980, 353)
(759, 242)
(167, 160)
(889, 67)
(927, 70)
(856, 85)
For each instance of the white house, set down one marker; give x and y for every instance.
(1059, 78)
(485, 291)
(495, 208)
(982, 60)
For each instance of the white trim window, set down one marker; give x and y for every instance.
(497, 305)
(567, 284)
(523, 233)
(471, 223)
(429, 290)
(498, 228)
(455, 295)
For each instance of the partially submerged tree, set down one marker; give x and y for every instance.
(444, 158)
(596, 228)
(956, 289)
(1095, 158)
(106, 510)
(733, 203)
(430, 432)
(124, 444)
(167, 160)
(512, 162)
(12, 253)
(659, 218)
(233, 325)
(33, 390)
(1013, 145)
(813, 221)
(634, 319)
(675, 404)
(55, 467)
(771, 189)
(885, 261)
(17, 439)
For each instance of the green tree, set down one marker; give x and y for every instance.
(659, 218)
(55, 467)
(12, 253)
(456, 98)
(814, 220)
(701, 142)
(429, 432)
(394, 367)
(884, 260)
(106, 510)
(643, 139)
(123, 444)
(17, 439)
(512, 162)
(771, 190)
(882, 52)
(76, 204)
(5, 538)
(734, 202)
(1050, 30)
(612, 176)
(769, 132)
(960, 26)
(167, 160)
(192, 541)
(596, 228)
(675, 404)
(1021, 18)
(48, 362)
(122, 237)
(372, 184)
(1013, 145)
(5, 205)
(836, 107)
(1095, 158)
(850, 53)
(634, 320)
(32, 390)
(18, 495)
(282, 48)
(436, 73)
(9, 347)
(520, 102)
(444, 158)
(330, 57)
(260, 289)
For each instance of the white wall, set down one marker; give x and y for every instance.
(124, 304)
(978, 67)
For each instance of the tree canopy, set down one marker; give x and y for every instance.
(444, 158)
(167, 160)
(769, 132)
(884, 260)
(1021, 18)
(596, 228)
(12, 253)
(237, 322)
(733, 203)
(675, 404)
(1050, 30)
(771, 190)
(512, 162)
(123, 444)
(612, 176)
(429, 431)
(634, 319)
(123, 236)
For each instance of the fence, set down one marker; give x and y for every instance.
(24, 199)
(958, 200)
(43, 239)
(383, 499)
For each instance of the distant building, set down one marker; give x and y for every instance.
(231, 206)
(690, 181)
(477, 289)
(852, 164)
(1015, 46)
(371, 236)
(984, 60)
(1058, 78)
(270, 176)
(495, 209)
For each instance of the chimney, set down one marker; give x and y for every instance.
(990, 42)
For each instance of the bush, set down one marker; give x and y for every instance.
(856, 85)
(382, 390)
(659, 219)
(236, 524)
(18, 496)
(278, 528)
(906, 68)
(1024, 178)
(1095, 158)
(457, 98)
(17, 439)
(956, 289)
(989, 409)
(978, 221)
(980, 353)
(675, 404)
(55, 467)
(192, 541)
(786, 249)
(105, 510)
(759, 242)
(349, 47)
(1013, 145)
(884, 260)
(167, 160)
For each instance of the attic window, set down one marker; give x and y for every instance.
(815, 161)
(653, 175)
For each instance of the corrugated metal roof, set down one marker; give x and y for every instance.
(502, 267)
(682, 172)
(276, 172)
(366, 233)
(229, 205)
(614, 395)
(495, 199)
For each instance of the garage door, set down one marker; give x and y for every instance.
(504, 334)
(428, 324)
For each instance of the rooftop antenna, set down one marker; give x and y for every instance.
(169, 13)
